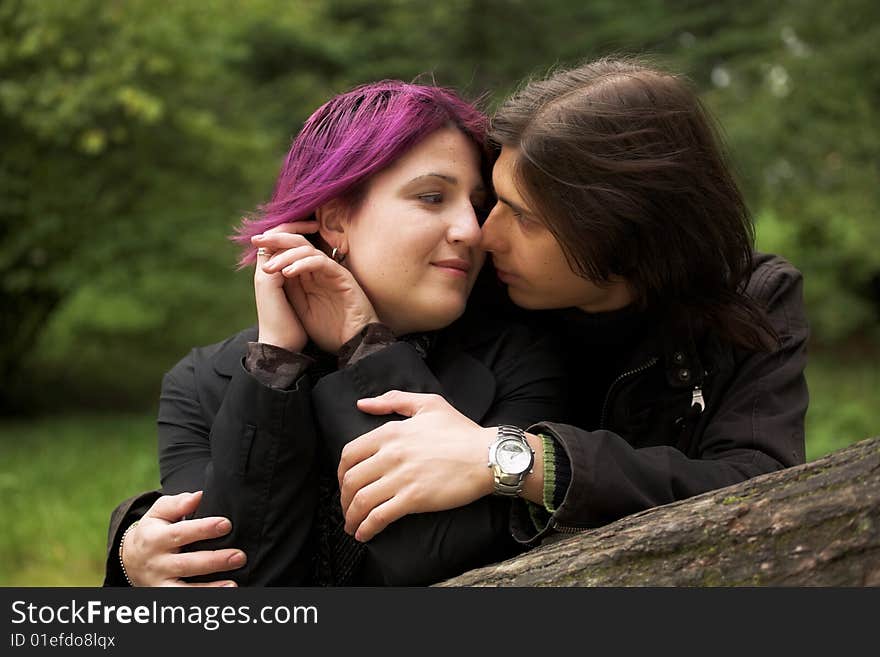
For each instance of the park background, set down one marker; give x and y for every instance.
(134, 134)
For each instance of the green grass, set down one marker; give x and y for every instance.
(59, 480)
(60, 477)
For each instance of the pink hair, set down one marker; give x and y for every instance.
(352, 137)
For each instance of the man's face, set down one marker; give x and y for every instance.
(528, 257)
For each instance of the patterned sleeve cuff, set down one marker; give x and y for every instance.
(368, 340)
(275, 367)
(540, 514)
(549, 472)
(560, 477)
(557, 473)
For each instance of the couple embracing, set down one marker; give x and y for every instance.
(473, 334)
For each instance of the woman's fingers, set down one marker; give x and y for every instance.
(263, 256)
(312, 264)
(286, 257)
(278, 241)
(295, 294)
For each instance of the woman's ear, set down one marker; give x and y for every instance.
(333, 223)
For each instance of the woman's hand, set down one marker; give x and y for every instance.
(325, 296)
(151, 550)
(433, 461)
(277, 320)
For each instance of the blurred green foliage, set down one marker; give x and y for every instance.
(135, 135)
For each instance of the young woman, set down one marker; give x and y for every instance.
(390, 178)
(619, 224)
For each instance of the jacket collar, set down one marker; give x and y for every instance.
(675, 347)
(681, 359)
(227, 360)
(467, 384)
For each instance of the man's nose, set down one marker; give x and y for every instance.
(491, 233)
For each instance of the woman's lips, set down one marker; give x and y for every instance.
(454, 267)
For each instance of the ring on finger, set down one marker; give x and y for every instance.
(263, 251)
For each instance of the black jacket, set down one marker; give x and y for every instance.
(686, 414)
(256, 451)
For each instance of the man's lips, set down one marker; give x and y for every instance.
(457, 266)
(504, 276)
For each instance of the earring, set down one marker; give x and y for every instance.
(336, 255)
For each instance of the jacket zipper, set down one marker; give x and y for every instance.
(653, 361)
(697, 399)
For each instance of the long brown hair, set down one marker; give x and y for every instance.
(626, 168)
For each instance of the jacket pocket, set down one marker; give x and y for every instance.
(244, 453)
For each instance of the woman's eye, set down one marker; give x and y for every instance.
(432, 199)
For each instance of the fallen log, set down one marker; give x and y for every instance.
(816, 524)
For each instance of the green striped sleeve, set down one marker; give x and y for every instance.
(549, 471)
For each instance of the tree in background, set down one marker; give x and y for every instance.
(800, 103)
(132, 142)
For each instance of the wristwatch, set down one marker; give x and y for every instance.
(511, 459)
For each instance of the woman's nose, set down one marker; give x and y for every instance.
(465, 227)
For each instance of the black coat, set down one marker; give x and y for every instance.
(256, 451)
(654, 442)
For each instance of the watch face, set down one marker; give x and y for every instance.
(513, 456)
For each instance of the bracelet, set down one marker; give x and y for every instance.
(121, 543)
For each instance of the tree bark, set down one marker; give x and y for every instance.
(816, 524)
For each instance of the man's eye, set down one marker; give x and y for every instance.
(524, 221)
(432, 199)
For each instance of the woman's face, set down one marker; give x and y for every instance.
(412, 243)
(530, 261)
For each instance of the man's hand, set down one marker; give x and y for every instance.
(437, 459)
(151, 551)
